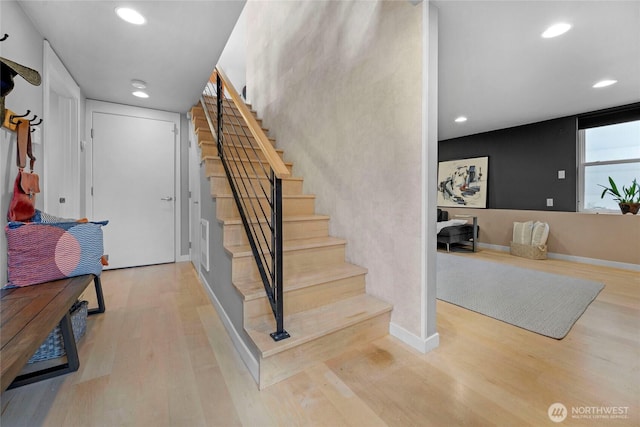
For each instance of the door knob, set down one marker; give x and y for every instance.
(167, 199)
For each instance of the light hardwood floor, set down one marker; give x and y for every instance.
(160, 356)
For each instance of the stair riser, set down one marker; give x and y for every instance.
(235, 235)
(213, 166)
(200, 119)
(244, 268)
(230, 124)
(208, 150)
(247, 152)
(220, 185)
(242, 152)
(242, 140)
(226, 207)
(228, 104)
(233, 127)
(288, 363)
(204, 134)
(308, 298)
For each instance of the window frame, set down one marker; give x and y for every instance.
(582, 165)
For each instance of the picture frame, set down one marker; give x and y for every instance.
(463, 183)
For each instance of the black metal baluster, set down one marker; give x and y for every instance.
(280, 333)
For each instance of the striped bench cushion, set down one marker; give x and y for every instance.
(40, 252)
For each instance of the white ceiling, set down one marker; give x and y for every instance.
(174, 52)
(494, 67)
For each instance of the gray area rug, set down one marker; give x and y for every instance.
(545, 303)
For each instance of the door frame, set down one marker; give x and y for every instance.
(93, 106)
(57, 79)
(194, 201)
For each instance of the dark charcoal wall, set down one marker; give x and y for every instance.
(523, 164)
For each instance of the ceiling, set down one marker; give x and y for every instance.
(494, 67)
(174, 52)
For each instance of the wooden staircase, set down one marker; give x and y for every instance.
(326, 307)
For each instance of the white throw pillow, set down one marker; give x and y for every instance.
(522, 232)
(540, 233)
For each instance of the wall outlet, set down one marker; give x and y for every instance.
(549, 202)
(560, 174)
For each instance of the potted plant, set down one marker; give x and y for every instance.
(628, 199)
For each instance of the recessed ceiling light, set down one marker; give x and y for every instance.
(461, 119)
(604, 83)
(140, 94)
(130, 15)
(138, 84)
(556, 29)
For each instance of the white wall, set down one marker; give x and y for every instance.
(339, 84)
(23, 46)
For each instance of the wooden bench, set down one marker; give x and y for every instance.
(28, 315)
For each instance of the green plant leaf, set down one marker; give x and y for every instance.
(614, 189)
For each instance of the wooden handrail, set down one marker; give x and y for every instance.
(276, 163)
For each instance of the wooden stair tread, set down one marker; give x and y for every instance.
(253, 289)
(289, 218)
(253, 176)
(199, 129)
(223, 192)
(309, 325)
(212, 100)
(249, 147)
(284, 197)
(289, 245)
(220, 174)
(248, 134)
(233, 159)
(197, 113)
(203, 125)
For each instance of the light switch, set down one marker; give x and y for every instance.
(560, 174)
(549, 202)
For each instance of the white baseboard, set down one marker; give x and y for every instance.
(423, 345)
(572, 258)
(183, 258)
(247, 357)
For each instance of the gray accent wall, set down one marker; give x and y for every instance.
(523, 164)
(218, 278)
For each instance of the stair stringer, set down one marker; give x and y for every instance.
(219, 287)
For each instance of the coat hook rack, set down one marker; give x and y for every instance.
(33, 125)
(15, 116)
(6, 36)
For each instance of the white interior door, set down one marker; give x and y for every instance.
(61, 140)
(134, 188)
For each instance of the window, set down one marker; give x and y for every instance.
(610, 150)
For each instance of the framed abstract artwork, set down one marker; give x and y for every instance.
(463, 183)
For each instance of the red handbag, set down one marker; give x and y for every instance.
(27, 184)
